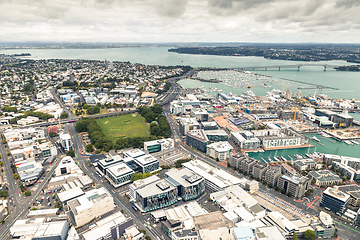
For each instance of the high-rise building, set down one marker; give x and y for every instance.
(334, 200)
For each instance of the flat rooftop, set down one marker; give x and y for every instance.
(146, 160)
(155, 188)
(213, 220)
(119, 169)
(184, 176)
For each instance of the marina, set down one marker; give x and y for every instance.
(329, 147)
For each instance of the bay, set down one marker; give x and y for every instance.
(346, 82)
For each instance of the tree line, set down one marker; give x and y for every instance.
(159, 126)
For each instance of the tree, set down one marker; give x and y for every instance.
(27, 193)
(70, 153)
(4, 193)
(64, 115)
(310, 235)
(295, 236)
(147, 238)
(16, 176)
(53, 134)
(89, 148)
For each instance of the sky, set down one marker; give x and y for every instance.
(136, 21)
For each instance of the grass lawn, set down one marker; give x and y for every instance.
(130, 125)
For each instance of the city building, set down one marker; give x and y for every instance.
(139, 184)
(119, 174)
(29, 172)
(200, 114)
(188, 124)
(215, 178)
(67, 166)
(156, 195)
(159, 145)
(343, 120)
(268, 233)
(39, 229)
(65, 141)
(306, 164)
(247, 165)
(217, 135)
(288, 170)
(326, 228)
(113, 226)
(189, 185)
(197, 139)
(147, 163)
(272, 175)
(259, 170)
(237, 200)
(354, 192)
(293, 185)
(219, 150)
(245, 140)
(324, 178)
(236, 160)
(334, 200)
(92, 204)
(209, 125)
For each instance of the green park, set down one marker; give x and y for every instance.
(130, 125)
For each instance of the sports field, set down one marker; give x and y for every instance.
(130, 125)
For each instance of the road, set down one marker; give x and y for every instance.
(22, 204)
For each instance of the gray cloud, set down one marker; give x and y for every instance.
(180, 20)
(171, 8)
(347, 3)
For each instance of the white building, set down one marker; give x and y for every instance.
(215, 178)
(39, 228)
(92, 204)
(67, 166)
(159, 145)
(219, 150)
(65, 141)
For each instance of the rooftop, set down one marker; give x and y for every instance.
(213, 220)
(119, 169)
(336, 194)
(185, 177)
(155, 188)
(198, 134)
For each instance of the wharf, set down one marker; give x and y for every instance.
(289, 147)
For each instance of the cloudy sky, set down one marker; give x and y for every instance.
(180, 20)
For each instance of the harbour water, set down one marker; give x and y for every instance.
(331, 146)
(346, 82)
